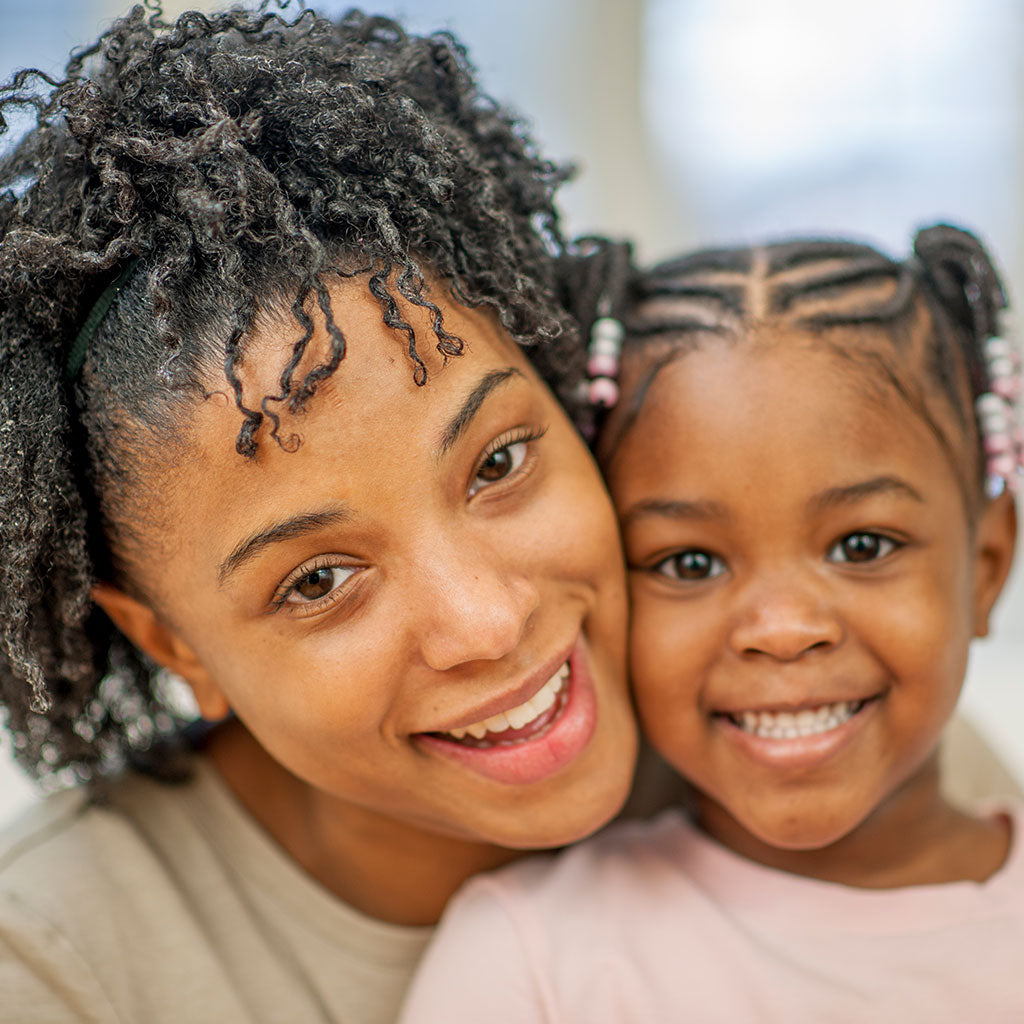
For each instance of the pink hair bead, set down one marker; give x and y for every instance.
(1004, 466)
(604, 392)
(997, 444)
(1006, 387)
(600, 365)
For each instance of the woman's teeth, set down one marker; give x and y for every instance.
(788, 725)
(516, 718)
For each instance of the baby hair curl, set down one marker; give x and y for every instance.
(218, 167)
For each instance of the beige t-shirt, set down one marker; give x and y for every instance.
(169, 903)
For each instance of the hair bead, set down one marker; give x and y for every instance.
(606, 337)
(1002, 433)
(603, 392)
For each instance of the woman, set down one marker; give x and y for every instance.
(264, 287)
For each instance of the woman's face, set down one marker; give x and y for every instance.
(420, 611)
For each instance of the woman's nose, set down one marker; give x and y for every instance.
(785, 618)
(474, 608)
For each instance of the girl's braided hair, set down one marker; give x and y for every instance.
(942, 303)
(217, 168)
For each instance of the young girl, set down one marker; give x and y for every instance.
(812, 458)
(263, 405)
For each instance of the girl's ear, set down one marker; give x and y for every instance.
(994, 541)
(143, 627)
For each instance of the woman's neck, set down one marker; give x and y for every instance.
(386, 868)
(915, 837)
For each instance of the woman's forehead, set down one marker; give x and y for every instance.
(370, 439)
(357, 316)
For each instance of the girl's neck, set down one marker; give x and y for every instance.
(915, 837)
(386, 868)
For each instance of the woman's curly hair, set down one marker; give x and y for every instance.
(217, 167)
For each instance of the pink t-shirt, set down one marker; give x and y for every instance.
(654, 923)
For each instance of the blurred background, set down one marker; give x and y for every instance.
(710, 121)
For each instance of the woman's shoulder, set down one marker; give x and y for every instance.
(59, 843)
(82, 891)
(168, 902)
(93, 868)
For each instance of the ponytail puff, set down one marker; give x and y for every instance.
(962, 277)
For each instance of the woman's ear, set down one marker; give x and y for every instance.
(150, 634)
(994, 541)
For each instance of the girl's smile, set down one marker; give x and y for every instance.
(803, 737)
(804, 589)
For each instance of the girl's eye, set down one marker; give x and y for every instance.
(862, 547)
(315, 584)
(692, 564)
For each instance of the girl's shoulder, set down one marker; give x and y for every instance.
(664, 863)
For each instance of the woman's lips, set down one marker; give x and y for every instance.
(563, 718)
(521, 722)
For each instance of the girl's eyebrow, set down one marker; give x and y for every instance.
(665, 509)
(852, 493)
(471, 406)
(287, 529)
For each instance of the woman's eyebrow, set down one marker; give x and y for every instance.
(287, 529)
(458, 423)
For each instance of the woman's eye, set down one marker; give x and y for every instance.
(862, 547)
(317, 584)
(692, 564)
(498, 464)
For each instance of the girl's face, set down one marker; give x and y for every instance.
(429, 560)
(804, 581)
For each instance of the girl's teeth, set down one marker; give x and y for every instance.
(516, 718)
(787, 725)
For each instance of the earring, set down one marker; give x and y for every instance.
(1001, 429)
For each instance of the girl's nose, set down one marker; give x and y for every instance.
(474, 608)
(785, 619)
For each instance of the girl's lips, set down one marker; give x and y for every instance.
(539, 749)
(774, 742)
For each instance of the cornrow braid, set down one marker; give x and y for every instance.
(947, 292)
(239, 161)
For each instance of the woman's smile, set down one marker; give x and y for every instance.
(562, 717)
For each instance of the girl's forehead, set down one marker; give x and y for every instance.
(893, 370)
(735, 394)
